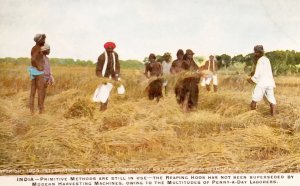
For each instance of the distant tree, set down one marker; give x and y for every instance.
(159, 58)
(223, 60)
(145, 60)
(237, 59)
(199, 59)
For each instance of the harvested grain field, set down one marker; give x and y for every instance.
(135, 135)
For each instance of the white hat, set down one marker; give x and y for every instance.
(38, 37)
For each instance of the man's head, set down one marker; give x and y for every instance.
(180, 54)
(152, 57)
(40, 39)
(45, 49)
(189, 54)
(167, 57)
(211, 57)
(258, 51)
(109, 46)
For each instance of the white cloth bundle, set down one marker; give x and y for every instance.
(102, 93)
(121, 89)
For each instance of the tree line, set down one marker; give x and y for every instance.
(283, 62)
(127, 64)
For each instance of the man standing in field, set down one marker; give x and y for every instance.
(212, 67)
(263, 78)
(154, 71)
(186, 89)
(108, 66)
(166, 66)
(37, 74)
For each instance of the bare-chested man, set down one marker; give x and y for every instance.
(186, 89)
(37, 73)
(154, 69)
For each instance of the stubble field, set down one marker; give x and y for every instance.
(135, 135)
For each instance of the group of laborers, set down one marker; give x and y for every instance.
(186, 88)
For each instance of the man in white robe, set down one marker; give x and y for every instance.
(263, 78)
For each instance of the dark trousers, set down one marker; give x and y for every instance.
(37, 85)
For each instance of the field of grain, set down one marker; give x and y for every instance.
(135, 135)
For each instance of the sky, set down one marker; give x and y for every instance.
(78, 29)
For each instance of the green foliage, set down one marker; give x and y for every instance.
(223, 60)
(283, 62)
(131, 64)
(15, 61)
(159, 58)
(199, 59)
(128, 64)
(70, 62)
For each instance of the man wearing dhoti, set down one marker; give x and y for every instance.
(108, 67)
(36, 71)
(211, 68)
(263, 78)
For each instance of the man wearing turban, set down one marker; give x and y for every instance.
(37, 74)
(263, 78)
(108, 66)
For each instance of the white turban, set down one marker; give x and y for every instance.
(38, 37)
(45, 47)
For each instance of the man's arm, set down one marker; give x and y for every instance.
(118, 68)
(258, 71)
(99, 66)
(172, 69)
(194, 65)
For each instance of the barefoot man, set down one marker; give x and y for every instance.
(263, 78)
(212, 67)
(36, 71)
(108, 66)
(166, 66)
(154, 71)
(186, 88)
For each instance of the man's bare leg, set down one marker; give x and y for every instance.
(32, 96)
(253, 105)
(273, 109)
(103, 106)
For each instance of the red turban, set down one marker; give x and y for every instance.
(109, 45)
